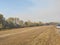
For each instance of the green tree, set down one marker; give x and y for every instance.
(29, 23)
(2, 20)
(21, 23)
(40, 23)
(11, 22)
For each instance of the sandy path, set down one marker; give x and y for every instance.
(45, 35)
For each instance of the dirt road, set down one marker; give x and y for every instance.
(45, 35)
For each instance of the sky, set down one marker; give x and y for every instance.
(34, 10)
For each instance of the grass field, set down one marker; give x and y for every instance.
(43, 35)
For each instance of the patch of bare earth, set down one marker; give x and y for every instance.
(45, 35)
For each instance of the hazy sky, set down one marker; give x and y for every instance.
(35, 10)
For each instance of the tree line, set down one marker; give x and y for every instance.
(12, 22)
(16, 23)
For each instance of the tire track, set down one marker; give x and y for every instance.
(8, 38)
(34, 33)
(5, 35)
(36, 37)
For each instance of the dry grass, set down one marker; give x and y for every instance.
(45, 35)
